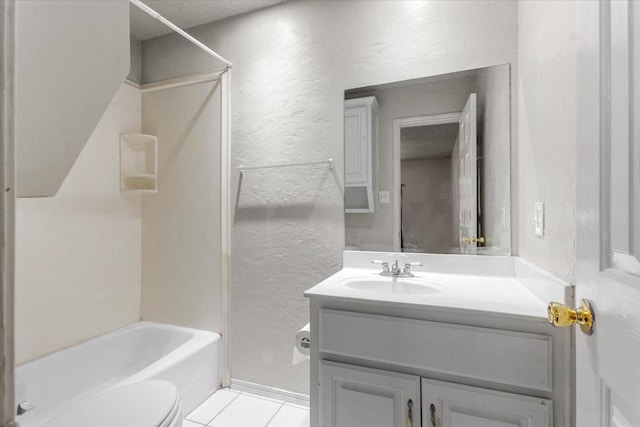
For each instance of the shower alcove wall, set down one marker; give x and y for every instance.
(185, 227)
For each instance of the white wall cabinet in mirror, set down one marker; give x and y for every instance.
(360, 142)
(445, 196)
(138, 163)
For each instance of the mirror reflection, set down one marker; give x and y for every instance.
(427, 164)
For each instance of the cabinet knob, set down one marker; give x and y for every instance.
(560, 315)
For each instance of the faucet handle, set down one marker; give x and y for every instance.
(384, 264)
(408, 265)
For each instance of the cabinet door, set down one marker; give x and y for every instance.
(360, 397)
(452, 405)
(356, 146)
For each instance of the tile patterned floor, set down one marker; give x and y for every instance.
(231, 408)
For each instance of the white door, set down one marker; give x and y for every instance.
(453, 405)
(608, 212)
(468, 177)
(360, 397)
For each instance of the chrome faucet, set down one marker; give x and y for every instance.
(394, 270)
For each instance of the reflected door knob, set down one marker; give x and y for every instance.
(560, 315)
(473, 240)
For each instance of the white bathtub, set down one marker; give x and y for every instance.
(189, 358)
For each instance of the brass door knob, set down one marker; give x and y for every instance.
(560, 315)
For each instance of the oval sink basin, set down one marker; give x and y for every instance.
(392, 285)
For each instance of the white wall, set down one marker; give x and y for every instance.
(78, 253)
(547, 38)
(181, 223)
(135, 68)
(71, 58)
(292, 63)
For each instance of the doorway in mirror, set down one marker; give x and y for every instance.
(428, 199)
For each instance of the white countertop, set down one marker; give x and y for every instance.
(504, 286)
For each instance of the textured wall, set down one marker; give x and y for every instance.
(292, 63)
(78, 253)
(547, 132)
(181, 223)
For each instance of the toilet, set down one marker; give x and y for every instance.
(144, 404)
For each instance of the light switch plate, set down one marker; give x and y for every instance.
(538, 219)
(384, 197)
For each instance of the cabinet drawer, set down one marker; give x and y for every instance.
(506, 357)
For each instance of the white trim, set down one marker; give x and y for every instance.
(225, 224)
(146, 9)
(272, 392)
(7, 211)
(398, 125)
(182, 81)
(132, 84)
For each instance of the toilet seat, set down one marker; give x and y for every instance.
(143, 404)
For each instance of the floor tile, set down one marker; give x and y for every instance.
(247, 411)
(291, 416)
(212, 406)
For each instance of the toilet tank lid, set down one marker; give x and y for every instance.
(141, 404)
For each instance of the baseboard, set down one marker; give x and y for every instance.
(272, 392)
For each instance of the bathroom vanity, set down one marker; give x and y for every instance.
(466, 342)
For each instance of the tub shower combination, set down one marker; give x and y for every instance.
(142, 351)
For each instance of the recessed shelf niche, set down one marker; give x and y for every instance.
(138, 163)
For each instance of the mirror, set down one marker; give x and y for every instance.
(427, 164)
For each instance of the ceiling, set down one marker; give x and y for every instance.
(188, 13)
(428, 142)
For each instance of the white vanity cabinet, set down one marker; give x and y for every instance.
(360, 148)
(354, 396)
(372, 365)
